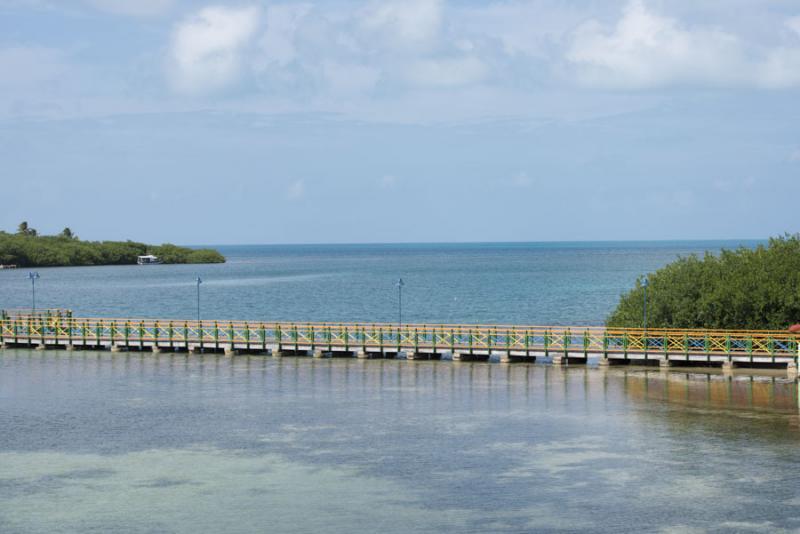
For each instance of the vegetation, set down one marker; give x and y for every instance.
(27, 248)
(738, 289)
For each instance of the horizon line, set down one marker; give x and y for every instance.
(576, 241)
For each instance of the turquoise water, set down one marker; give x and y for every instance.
(142, 443)
(519, 283)
(196, 443)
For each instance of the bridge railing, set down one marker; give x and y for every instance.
(62, 327)
(29, 312)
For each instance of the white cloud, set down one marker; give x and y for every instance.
(404, 24)
(646, 49)
(349, 77)
(138, 8)
(296, 190)
(446, 72)
(278, 42)
(520, 26)
(207, 47)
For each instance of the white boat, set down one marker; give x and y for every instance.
(148, 259)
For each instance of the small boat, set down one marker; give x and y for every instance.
(148, 259)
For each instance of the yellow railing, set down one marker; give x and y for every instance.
(54, 328)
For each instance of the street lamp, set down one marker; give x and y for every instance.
(645, 283)
(400, 285)
(33, 276)
(199, 281)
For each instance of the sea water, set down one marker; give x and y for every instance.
(506, 283)
(137, 442)
(140, 442)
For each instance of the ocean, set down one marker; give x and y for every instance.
(195, 443)
(497, 283)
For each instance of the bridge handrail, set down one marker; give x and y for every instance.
(29, 312)
(56, 313)
(478, 336)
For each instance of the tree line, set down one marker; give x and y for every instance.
(737, 289)
(26, 248)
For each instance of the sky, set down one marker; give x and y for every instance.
(400, 120)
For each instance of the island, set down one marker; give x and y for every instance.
(26, 248)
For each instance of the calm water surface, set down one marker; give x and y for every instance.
(101, 442)
(519, 283)
(140, 443)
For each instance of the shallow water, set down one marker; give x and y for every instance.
(100, 442)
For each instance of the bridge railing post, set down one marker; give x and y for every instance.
(586, 343)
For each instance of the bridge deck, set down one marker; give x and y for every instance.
(509, 343)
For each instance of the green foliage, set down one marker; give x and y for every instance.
(27, 249)
(24, 229)
(173, 254)
(738, 289)
(66, 233)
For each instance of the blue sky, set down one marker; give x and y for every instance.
(400, 121)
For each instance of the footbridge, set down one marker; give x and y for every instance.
(59, 329)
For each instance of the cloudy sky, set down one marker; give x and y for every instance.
(400, 120)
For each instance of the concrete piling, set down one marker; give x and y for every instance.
(727, 367)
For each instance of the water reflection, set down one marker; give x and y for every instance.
(493, 385)
(748, 392)
(460, 446)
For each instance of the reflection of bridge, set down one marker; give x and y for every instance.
(714, 391)
(59, 329)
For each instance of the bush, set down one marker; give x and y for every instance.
(738, 289)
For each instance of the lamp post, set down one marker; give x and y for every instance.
(199, 281)
(400, 285)
(33, 277)
(645, 283)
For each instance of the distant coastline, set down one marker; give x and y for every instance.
(26, 248)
